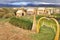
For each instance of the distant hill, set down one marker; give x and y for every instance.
(29, 4)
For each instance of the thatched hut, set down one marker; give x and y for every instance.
(21, 12)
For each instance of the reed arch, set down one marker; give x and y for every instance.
(57, 26)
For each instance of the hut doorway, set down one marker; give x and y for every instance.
(22, 14)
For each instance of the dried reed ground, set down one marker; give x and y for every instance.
(10, 32)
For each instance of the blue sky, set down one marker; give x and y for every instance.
(48, 1)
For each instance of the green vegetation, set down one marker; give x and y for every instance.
(39, 16)
(46, 33)
(48, 22)
(27, 17)
(21, 22)
(56, 15)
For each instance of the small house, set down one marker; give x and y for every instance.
(21, 12)
(41, 10)
(30, 11)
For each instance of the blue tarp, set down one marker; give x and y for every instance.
(26, 3)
